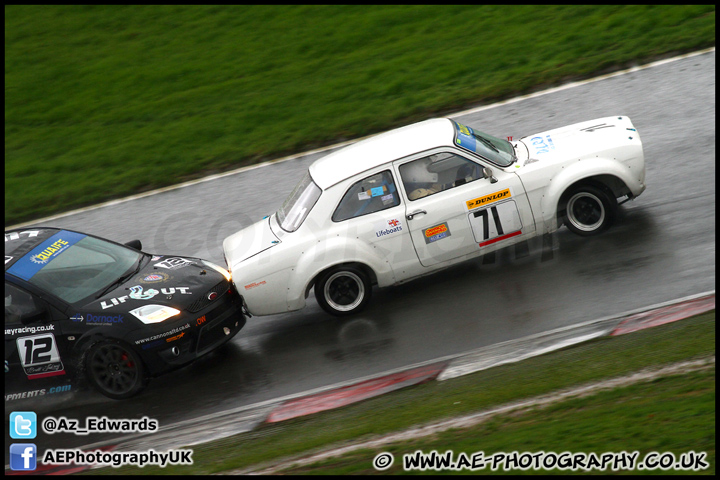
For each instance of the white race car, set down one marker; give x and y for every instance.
(420, 198)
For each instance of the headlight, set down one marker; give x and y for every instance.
(154, 313)
(218, 268)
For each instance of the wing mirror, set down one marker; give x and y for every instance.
(488, 173)
(134, 244)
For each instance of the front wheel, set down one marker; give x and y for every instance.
(588, 210)
(115, 370)
(343, 290)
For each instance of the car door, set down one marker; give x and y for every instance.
(32, 351)
(371, 209)
(452, 210)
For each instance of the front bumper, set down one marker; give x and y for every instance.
(210, 328)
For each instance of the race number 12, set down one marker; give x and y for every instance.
(39, 356)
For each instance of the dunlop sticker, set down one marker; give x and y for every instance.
(488, 199)
(438, 232)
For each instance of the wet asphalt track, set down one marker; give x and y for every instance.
(662, 248)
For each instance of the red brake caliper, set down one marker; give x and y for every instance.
(124, 358)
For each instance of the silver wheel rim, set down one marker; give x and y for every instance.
(585, 211)
(344, 291)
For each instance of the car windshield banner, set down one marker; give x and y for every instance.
(464, 137)
(43, 254)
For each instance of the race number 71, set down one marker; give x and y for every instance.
(495, 223)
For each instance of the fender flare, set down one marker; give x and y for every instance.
(574, 173)
(337, 251)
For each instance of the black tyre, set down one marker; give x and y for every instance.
(343, 290)
(588, 210)
(115, 370)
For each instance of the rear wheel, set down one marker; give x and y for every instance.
(343, 290)
(588, 210)
(115, 370)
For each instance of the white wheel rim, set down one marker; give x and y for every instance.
(585, 211)
(344, 285)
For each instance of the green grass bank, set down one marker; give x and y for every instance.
(106, 101)
(669, 414)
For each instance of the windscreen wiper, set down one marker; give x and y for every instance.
(121, 280)
(486, 142)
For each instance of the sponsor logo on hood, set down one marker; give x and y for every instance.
(155, 278)
(173, 263)
(137, 293)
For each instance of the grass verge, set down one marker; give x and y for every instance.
(675, 414)
(104, 101)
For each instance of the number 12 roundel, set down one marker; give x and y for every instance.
(39, 356)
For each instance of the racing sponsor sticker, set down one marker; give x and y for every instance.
(16, 235)
(254, 284)
(464, 137)
(488, 199)
(137, 293)
(37, 393)
(39, 356)
(438, 232)
(176, 337)
(389, 227)
(161, 336)
(542, 145)
(96, 320)
(173, 263)
(30, 329)
(387, 199)
(27, 266)
(495, 223)
(155, 278)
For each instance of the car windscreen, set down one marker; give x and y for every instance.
(496, 150)
(298, 204)
(73, 266)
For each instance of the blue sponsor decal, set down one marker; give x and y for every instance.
(43, 254)
(464, 137)
(104, 319)
(156, 343)
(437, 237)
(541, 146)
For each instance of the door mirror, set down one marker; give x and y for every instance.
(488, 173)
(134, 244)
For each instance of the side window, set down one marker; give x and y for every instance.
(369, 195)
(19, 305)
(435, 173)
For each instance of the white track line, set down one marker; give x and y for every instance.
(338, 145)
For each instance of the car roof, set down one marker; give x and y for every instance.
(382, 148)
(20, 241)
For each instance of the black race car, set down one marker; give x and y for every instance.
(81, 307)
